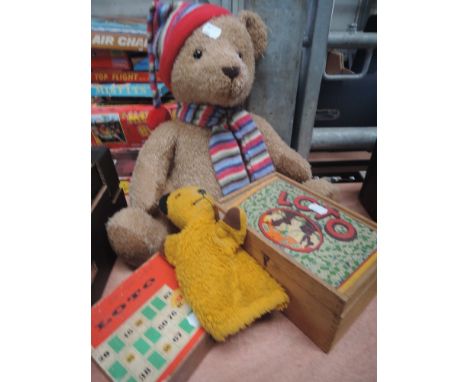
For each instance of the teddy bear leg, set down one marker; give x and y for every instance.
(135, 235)
(323, 187)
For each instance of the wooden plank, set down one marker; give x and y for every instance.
(353, 313)
(359, 296)
(360, 286)
(337, 156)
(312, 319)
(99, 197)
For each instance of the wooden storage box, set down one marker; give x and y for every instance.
(322, 253)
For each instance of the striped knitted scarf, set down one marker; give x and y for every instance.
(238, 152)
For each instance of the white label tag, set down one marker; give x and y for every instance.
(317, 208)
(211, 30)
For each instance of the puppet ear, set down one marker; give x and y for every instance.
(234, 224)
(257, 31)
(233, 219)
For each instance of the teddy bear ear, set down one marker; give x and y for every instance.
(257, 31)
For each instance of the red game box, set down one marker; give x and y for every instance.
(118, 76)
(109, 60)
(124, 126)
(145, 331)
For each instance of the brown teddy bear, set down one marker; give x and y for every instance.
(206, 56)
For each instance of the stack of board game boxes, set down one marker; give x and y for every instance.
(122, 115)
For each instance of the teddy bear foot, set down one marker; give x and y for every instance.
(135, 235)
(323, 187)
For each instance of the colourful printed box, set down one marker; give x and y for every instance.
(144, 331)
(124, 126)
(322, 253)
(119, 34)
(134, 90)
(118, 76)
(110, 60)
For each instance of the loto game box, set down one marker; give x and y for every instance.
(144, 331)
(322, 253)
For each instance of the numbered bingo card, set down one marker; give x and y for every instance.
(144, 329)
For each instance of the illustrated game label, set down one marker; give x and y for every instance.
(124, 126)
(327, 241)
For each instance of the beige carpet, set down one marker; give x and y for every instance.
(274, 349)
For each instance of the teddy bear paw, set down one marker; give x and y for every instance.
(135, 235)
(323, 187)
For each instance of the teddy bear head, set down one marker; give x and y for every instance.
(187, 204)
(206, 54)
(219, 71)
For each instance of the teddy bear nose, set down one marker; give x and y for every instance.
(231, 71)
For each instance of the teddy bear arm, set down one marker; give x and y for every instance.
(286, 160)
(171, 248)
(153, 166)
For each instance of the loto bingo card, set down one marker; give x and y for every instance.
(143, 330)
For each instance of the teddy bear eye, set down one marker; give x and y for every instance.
(240, 55)
(197, 54)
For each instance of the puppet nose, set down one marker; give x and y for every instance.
(163, 203)
(231, 71)
(202, 192)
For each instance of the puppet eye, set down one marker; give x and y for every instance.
(177, 195)
(197, 54)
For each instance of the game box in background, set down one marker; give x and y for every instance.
(322, 253)
(144, 331)
(125, 126)
(125, 161)
(126, 90)
(118, 76)
(122, 34)
(106, 60)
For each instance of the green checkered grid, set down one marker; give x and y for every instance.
(146, 344)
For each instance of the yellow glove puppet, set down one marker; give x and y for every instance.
(224, 285)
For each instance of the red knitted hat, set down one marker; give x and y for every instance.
(168, 28)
